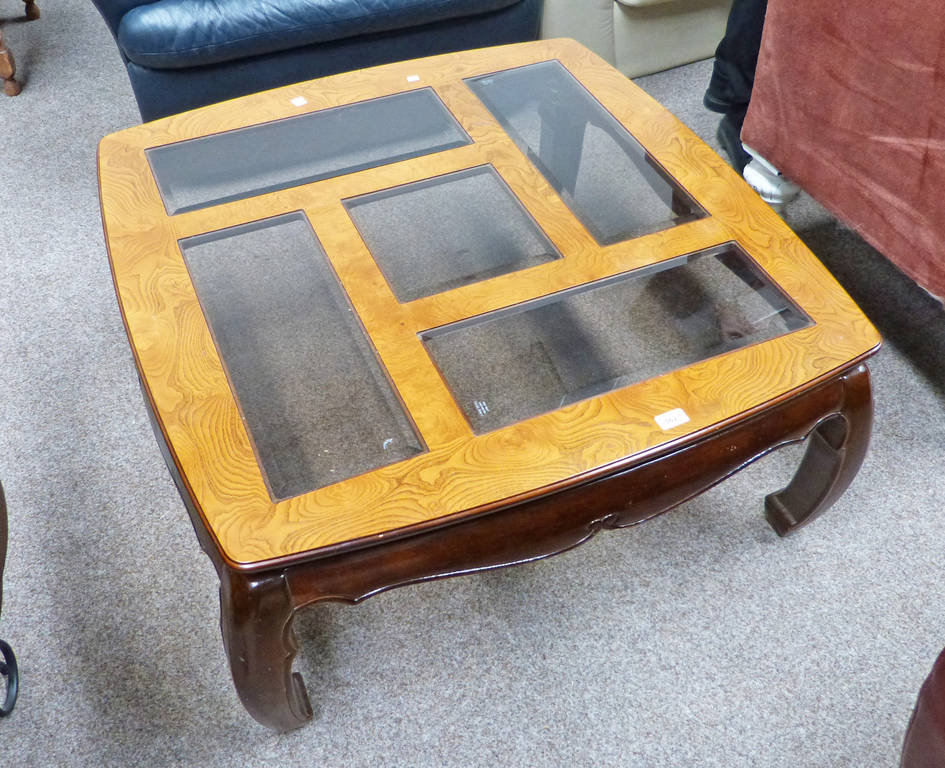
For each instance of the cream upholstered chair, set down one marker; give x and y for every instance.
(640, 36)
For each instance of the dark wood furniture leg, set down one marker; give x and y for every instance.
(8, 69)
(7, 65)
(835, 450)
(257, 609)
(256, 614)
(256, 618)
(8, 668)
(924, 744)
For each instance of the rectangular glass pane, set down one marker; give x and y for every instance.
(317, 402)
(284, 153)
(602, 173)
(519, 362)
(440, 233)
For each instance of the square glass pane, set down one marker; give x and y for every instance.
(441, 233)
(317, 402)
(516, 363)
(607, 179)
(296, 150)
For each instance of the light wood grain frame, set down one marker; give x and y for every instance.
(462, 474)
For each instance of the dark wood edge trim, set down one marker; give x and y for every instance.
(552, 524)
(572, 483)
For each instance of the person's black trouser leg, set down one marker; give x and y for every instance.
(733, 74)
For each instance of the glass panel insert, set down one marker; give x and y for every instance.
(316, 400)
(437, 234)
(516, 363)
(602, 173)
(285, 153)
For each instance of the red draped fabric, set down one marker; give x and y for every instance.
(924, 745)
(849, 101)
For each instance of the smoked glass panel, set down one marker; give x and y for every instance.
(440, 233)
(608, 180)
(285, 153)
(314, 396)
(516, 363)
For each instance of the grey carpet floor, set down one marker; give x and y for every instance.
(698, 639)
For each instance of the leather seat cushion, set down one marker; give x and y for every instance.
(172, 34)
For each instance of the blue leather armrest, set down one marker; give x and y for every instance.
(176, 34)
(227, 48)
(113, 10)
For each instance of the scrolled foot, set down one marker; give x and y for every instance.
(32, 10)
(835, 450)
(8, 670)
(256, 619)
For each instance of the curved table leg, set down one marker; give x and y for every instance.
(8, 668)
(256, 618)
(835, 450)
(8, 69)
(8, 671)
(257, 610)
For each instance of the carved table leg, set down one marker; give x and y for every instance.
(8, 668)
(32, 10)
(256, 618)
(835, 417)
(835, 450)
(7, 70)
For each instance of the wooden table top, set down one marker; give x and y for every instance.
(460, 473)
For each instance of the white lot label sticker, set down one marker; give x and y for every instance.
(413, 78)
(670, 419)
(299, 101)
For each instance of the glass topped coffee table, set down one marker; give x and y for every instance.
(457, 313)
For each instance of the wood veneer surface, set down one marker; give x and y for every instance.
(460, 473)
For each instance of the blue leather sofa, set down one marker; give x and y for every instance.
(182, 54)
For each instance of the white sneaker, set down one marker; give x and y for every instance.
(767, 180)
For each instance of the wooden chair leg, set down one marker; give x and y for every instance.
(32, 10)
(7, 70)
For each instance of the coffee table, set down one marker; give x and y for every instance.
(453, 314)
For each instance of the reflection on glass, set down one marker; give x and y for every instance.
(601, 172)
(317, 403)
(437, 234)
(519, 362)
(284, 153)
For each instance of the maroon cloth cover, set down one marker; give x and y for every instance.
(924, 746)
(849, 101)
